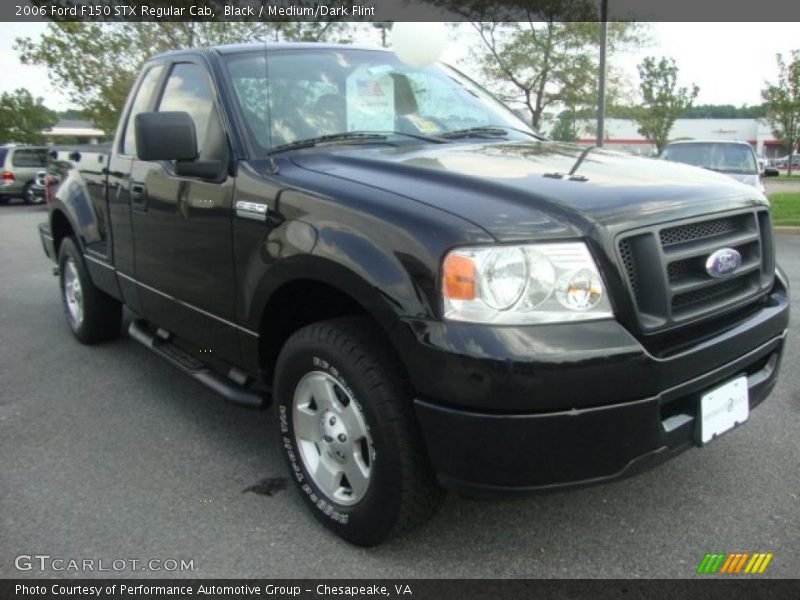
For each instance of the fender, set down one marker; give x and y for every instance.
(362, 289)
(379, 279)
(382, 253)
(73, 202)
(58, 210)
(72, 199)
(385, 309)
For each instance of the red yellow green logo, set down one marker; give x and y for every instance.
(732, 563)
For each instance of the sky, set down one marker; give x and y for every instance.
(728, 61)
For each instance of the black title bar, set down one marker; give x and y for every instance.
(397, 10)
(710, 588)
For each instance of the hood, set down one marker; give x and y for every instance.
(522, 190)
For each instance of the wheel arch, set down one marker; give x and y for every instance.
(316, 289)
(60, 228)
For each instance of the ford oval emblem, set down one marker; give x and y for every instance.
(723, 262)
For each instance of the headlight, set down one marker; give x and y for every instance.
(519, 285)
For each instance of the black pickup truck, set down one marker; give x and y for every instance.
(431, 294)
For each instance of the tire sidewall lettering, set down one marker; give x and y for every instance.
(322, 504)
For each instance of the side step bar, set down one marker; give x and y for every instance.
(198, 370)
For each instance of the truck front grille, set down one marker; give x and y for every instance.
(665, 267)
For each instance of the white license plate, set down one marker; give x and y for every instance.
(723, 408)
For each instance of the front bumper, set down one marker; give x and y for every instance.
(567, 437)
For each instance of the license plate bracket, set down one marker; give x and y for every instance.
(722, 409)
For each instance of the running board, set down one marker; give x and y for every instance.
(231, 390)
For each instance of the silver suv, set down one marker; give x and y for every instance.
(19, 166)
(734, 159)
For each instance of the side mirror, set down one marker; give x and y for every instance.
(165, 136)
(203, 169)
(771, 172)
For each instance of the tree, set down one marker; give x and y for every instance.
(95, 64)
(725, 111)
(23, 117)
(546, 64)
(783, 104)
(662, 100)
(565, 128)
(544, 53)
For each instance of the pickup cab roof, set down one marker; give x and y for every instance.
(228, 49)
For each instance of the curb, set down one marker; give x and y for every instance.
(790, 229)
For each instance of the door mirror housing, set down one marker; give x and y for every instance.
(771, 172)
(165, 136)
(201, 168)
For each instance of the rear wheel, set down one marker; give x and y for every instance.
(93, 315)
(29, 196)
(349, 434)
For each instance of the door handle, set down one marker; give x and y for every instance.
(139, 197)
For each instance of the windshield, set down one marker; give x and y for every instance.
(726, 158)
(323, 92)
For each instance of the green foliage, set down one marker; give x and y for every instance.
(565, 128)
(725, 111)
(549, 64)
(703, 111)
(662, 100)
(95, 64)
(783, 104)
(23, 117)
(785, 208)
(72, 113)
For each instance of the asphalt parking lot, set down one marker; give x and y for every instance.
(109, 452)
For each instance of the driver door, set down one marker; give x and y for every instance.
(182, 226)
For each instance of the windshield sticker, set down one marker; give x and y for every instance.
(370, 101)
(423, 125)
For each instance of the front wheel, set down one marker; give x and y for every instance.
(93, 315)
(349, 434)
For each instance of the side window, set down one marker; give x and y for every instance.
(188, 90)
(30, 158)
(141, 103)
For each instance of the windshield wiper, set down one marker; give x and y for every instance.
(322, 139)
(435, 139)
(487, 131)
(347, 136)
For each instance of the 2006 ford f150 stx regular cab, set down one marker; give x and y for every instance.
(432, 295)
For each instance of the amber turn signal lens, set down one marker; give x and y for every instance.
(459, 277)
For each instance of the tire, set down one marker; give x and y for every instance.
(4, 200)
(344, 362)
(28, 196)
(93, 315)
